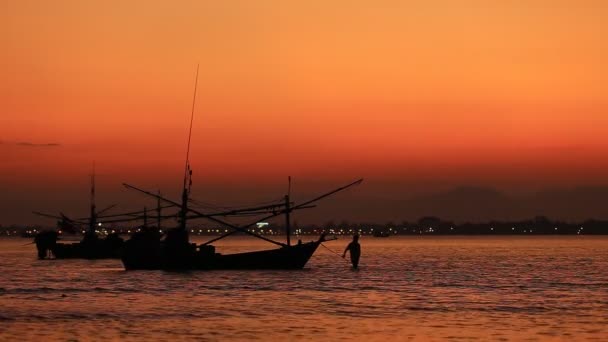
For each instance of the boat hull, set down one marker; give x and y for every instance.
(204, 258)
(81, 250)
(284, 258)
(90, 247)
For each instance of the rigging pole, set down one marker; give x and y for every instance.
(187, 171)
(243, 229)
(296, 207)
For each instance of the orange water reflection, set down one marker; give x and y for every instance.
(488, 288)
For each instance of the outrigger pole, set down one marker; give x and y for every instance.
(138, 215)
(113, 218)
(209, 216)
(104, 210)
(297, 207)
(63, 220)
(243, 229)
(133, 213)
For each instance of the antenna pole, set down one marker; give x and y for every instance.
(191, 121)
(187, 171)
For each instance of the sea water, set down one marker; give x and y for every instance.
(407, 288)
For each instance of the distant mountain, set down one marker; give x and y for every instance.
(573, 203)
(477, 204)
(464, 203)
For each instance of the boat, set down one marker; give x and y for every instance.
(90, 247)
(148, 251)
(381, 233)
(144, 254)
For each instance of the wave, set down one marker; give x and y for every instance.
(65, 290)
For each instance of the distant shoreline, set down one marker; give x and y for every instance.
(425, 226)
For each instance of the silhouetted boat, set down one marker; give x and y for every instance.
(143, 254)
(90, 247)
(147, 251)
(381, 233)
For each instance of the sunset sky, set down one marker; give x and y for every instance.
(414, 96)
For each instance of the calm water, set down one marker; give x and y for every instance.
(484, 288)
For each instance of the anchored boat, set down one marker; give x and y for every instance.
(90, 247)
(148, 251)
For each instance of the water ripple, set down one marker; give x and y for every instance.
(407, 288)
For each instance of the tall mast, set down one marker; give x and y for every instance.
(93, 218)
(287, 211)
(187, 171)
(158, 211)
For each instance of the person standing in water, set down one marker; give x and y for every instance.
(354, 248)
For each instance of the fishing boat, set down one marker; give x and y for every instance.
(147, 251)
(90, 247)
(162, 255)
(381, 233)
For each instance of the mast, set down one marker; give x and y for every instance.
(145, 217)
(187, 171)
(158, 211)
(93, 217)
(287, 211)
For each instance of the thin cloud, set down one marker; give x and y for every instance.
(28, 144)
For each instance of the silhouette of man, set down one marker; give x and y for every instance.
(354, 248)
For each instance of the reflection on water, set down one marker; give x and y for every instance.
(410, 288)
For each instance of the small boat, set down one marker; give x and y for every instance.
(381, 233)
(90, 247)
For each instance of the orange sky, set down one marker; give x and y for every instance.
(509, 95)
